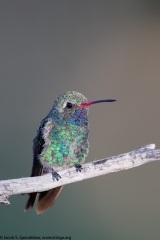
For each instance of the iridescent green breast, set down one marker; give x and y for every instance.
(65, 145)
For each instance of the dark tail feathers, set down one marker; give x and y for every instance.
(45, 199)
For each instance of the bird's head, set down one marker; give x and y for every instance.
(73, 107)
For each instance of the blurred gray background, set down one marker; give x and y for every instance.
(103, 49)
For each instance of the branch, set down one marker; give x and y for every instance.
(96, 168)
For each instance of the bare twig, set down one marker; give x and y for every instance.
(120, 162)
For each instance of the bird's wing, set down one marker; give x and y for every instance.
(38, 145)
(37, 169)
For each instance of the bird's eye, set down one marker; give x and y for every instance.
(69, 105)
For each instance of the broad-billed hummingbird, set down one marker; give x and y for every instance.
(61, 142)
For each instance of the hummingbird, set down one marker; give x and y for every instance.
(61, 142)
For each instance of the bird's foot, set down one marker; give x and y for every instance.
(78, 167)
(55, 175)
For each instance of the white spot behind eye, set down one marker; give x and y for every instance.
(60, 109)
(63, 106)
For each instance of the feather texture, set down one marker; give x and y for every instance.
(61, 142)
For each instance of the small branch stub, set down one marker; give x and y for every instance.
(96, 168)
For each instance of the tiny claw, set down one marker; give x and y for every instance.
(55, 175)
(78, 167)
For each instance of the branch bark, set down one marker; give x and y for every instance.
(96, 168)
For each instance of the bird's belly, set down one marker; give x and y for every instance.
(61, 156)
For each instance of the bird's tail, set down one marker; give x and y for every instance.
(45, 200)
(31, 200)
